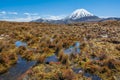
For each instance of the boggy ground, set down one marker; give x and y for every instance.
(99, 49)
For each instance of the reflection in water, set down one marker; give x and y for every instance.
(52, 58)
(80, 70)
(19, 43)
(18, 69)
(73, 49)
(77, 70)
(22, 65)
(94, 77)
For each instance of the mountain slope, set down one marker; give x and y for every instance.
(79, 15)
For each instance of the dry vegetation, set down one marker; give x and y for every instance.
(100, 49)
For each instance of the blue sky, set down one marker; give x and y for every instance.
(26, 10)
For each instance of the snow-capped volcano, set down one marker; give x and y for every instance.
(79, 13)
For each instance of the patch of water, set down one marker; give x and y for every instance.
(77, 70)
(18, 69)
(94, 77)
(52, 58)
(80, 70)
(20, 43)
(73, 49)
(69, 50)
(77, 44)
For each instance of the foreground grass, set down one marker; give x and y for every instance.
(100, 48)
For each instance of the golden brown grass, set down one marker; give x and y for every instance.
(98, 40)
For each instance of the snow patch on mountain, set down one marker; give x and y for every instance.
(79, 13)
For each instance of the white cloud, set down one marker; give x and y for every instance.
(25, 17)
(14, 13)
(107, 16)
(30, 18)
(30, 14)
(21, 19)
(5, 13)
(54, 17)
(18, 18)
(27, 14)
(2, 13)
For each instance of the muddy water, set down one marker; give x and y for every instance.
(18, 69)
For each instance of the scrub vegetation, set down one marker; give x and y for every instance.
(99, 49)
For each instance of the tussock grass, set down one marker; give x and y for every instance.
(100, 48)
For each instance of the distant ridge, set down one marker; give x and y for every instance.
(79, 15)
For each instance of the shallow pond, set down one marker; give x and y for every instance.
(18, 69)
(52, 58)
(20, 43)
(93, 76)
(86, 74)
(73, 49)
